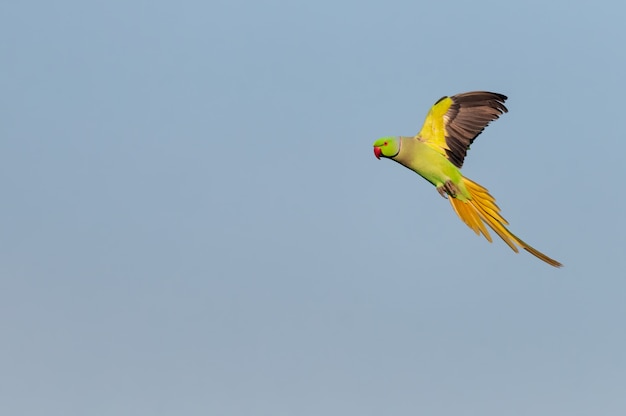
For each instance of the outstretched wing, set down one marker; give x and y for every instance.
(454, 122)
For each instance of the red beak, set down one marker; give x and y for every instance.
(377, 152)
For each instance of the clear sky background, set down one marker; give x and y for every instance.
(193, 221)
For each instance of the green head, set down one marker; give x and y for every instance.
(386, 147)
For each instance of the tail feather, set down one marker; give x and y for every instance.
(480, 209)
(471, 218)
(490, 208)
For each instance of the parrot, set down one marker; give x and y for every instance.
(437, 153)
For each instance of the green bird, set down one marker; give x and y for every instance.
(437, 152)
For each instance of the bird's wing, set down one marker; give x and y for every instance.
(454, 122)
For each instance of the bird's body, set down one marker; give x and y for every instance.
(426, 162)
(437, 152)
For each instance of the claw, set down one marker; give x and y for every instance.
(448, 189)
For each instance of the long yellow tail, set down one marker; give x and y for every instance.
(481, 209)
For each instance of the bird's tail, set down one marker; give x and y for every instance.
(480, 209)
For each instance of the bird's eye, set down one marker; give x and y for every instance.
(385, 144)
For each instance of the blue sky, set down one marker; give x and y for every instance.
(193, 221)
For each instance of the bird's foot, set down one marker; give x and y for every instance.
(448, 188)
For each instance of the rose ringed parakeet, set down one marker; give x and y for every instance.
(437, 152)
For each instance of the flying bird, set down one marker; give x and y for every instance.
(437, 152)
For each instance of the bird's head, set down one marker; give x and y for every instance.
(386, 147)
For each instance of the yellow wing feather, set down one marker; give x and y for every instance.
(433, 132)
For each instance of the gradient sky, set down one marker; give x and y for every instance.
(193, 221)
